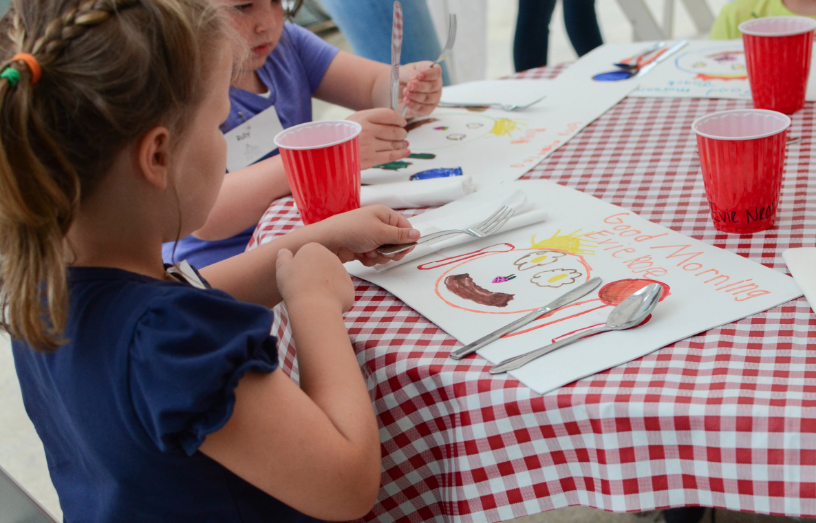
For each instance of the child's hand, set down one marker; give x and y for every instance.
(357, 234)
(314, 273)
(421, 87)
(383, 137)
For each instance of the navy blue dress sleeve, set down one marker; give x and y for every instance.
(189, 351)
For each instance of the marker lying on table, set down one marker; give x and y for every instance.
(566, 299)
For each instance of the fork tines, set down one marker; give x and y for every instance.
(495, 221)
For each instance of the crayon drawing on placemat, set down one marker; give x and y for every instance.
(492, 145)
(477, 287)
(704, 69)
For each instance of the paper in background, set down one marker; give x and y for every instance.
(497, 146)
(701, 69)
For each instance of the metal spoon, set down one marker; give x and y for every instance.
(629, 313)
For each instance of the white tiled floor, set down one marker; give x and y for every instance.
(20, 450)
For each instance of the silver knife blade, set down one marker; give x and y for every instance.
(566, 299)
(396, 51)
(673, 49)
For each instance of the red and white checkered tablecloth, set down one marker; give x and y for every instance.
(724, 419)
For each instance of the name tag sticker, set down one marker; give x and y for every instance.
(252, 140)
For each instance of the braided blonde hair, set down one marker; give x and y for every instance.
(111, 70)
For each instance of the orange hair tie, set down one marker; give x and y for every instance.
(33, 65)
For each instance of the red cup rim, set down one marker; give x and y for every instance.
(740, 138)
(747, 27)
(357, 131)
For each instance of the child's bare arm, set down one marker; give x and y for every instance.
(315, 448)
(359, 84)
(251, 276)
(244, 197)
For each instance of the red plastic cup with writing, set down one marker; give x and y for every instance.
(322, 164)
(777, 52)
(742, 155)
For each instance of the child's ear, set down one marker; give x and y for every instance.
(154, 157)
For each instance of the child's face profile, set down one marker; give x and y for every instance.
(201, 155)
(260, 24)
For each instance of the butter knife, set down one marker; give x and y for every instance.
(396, 51)
(673, 49)
(566, 299)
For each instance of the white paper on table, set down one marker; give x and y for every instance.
(469, 212)
(708, 286)
(802, 265)
(701, 69)
(419, 193)
(498, 146)
(519, 92)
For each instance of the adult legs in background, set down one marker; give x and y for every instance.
(367, 26)
(531, 42)
(582, 25)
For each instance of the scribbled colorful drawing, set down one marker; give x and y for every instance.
(452, 129)
(400, 164)
(719, 63)
(505, 127)
(394, 166)
(416, 124)
(564, 252)
(422, 156)
(543, 271)
(442, 172)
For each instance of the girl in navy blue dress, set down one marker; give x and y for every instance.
(156, 391)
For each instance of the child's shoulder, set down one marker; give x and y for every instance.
(133, 302)
(726, 27)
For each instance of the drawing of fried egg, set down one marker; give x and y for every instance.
(473, 285)
(537, 259)
(556, 277)
(456, 128)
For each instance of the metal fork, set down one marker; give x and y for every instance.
(490, 226)
(446, 50)
(506, 107)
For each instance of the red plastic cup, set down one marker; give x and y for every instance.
(322, 164)
(742, 153)
(777, 53)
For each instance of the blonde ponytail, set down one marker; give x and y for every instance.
(111, 70)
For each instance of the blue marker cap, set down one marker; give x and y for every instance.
(437, 173)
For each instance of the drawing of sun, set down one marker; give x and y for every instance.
(478, 281)
(450, 130)
(505, 127)
(719, 63)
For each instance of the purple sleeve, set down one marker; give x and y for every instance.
(315, 54)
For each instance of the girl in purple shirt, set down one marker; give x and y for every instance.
(285, 66)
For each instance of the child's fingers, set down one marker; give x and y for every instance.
(419, 109)
(388, 156)
(422, 87)
(385, 117)
(423, 98)
(284, 256)
(389, 133)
